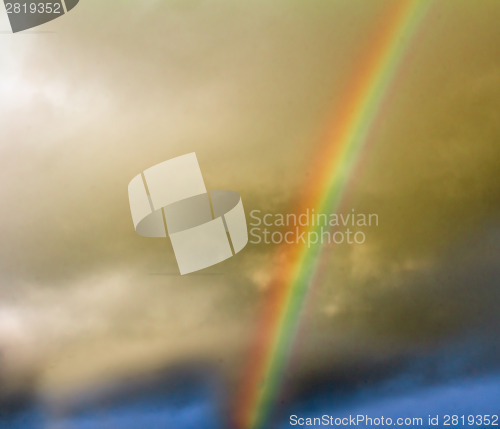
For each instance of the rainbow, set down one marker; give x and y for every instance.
(347, 136)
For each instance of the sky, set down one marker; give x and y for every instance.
(90, 100)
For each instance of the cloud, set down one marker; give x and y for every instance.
(251, 88)
(475, 396)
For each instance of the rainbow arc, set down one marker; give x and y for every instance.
(347, 137)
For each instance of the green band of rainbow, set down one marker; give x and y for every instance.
(348, 135)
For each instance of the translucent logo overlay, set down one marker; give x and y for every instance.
(205, 227)
(26, 14)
